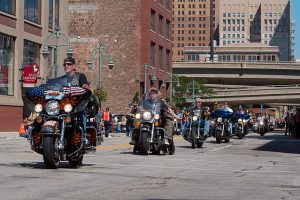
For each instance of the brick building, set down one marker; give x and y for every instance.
(24, 27)
(135, 32)
(191, 24)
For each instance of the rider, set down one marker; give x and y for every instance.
(240, 113)
(76, 79)
(167, 115)
(228, 109)
(205, 111)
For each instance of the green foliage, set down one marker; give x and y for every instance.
(101, 94)
(136, 98)
(180, 94)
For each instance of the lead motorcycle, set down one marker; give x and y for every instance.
(150, 135)
(57, 131)
(221, 121)
(194, 131)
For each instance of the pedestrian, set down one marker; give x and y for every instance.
(123, 123)
(129, 124)
(107, 118)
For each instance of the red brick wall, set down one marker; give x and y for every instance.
(106, 24)
(124, 28)
(10, 118)
(33, 29)
(7, 21)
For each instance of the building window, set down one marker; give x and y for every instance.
(168, 35)
(153, 20)
(8, 6)
(57, 13)
(168, 4)
(168, 60)
(7, 55)
(32, 11)
(50, 23)
(160, 25)
(160, 58)
(152, 54)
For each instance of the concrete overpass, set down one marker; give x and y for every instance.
(243, 83)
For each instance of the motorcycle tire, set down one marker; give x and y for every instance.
(262, 134)
(76, 162)
(135, 149)
(218, 137)
(193, 137)
(106, 133)
(144, 143)
(50, 152)
(199, 143)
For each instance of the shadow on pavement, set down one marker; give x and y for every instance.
(282, 146)
(41, 165)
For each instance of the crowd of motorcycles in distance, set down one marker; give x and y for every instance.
(193, 130)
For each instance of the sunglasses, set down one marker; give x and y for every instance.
(67, 64)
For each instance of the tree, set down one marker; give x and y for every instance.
(101, 94)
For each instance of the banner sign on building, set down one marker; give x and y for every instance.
(3, 76)
(30, 75)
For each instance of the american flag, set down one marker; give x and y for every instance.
(74, 90)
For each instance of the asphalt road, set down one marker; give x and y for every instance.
(256, 167)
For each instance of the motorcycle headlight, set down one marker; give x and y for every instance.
(147, 115)
(244, 120)
(52, 108)
(68, 108)
(138, 116)
(38, 108)
(195, 118)
(239, 120)
(156, 116)
(219, 119)
(261, 123)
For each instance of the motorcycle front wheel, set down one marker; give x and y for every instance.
(50, 152)
(193, 137)
(144, 143)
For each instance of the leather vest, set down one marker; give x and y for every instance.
(74, 80)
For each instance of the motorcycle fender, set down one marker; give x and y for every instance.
(49, 128)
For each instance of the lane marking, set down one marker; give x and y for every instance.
(220, 148)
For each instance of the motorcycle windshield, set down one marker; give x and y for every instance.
(152, 103)
(224, 113)
(57, 89)
(243, 116)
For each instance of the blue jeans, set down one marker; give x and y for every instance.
(206, 126)
(230, 128)
(128, 130)
(83, 119)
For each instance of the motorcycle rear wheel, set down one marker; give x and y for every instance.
(50, 152)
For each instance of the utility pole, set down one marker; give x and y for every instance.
(212, 28)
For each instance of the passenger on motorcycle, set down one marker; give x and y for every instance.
(167, 116)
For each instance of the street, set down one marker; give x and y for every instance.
(255, 167)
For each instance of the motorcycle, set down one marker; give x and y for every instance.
(151, 135)
(262, 127)
(57, 131)
(194, 131)
(241, 128)
(221, 124)
(177, 127)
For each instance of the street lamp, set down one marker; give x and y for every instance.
(153, 78)
(100, 50)
(171, 76)
(194, 87)
(61, 39)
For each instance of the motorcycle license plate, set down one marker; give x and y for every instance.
(53, 95)
(50, 123)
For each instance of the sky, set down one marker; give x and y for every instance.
(296, 17)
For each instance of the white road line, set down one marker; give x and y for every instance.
(220, 148)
